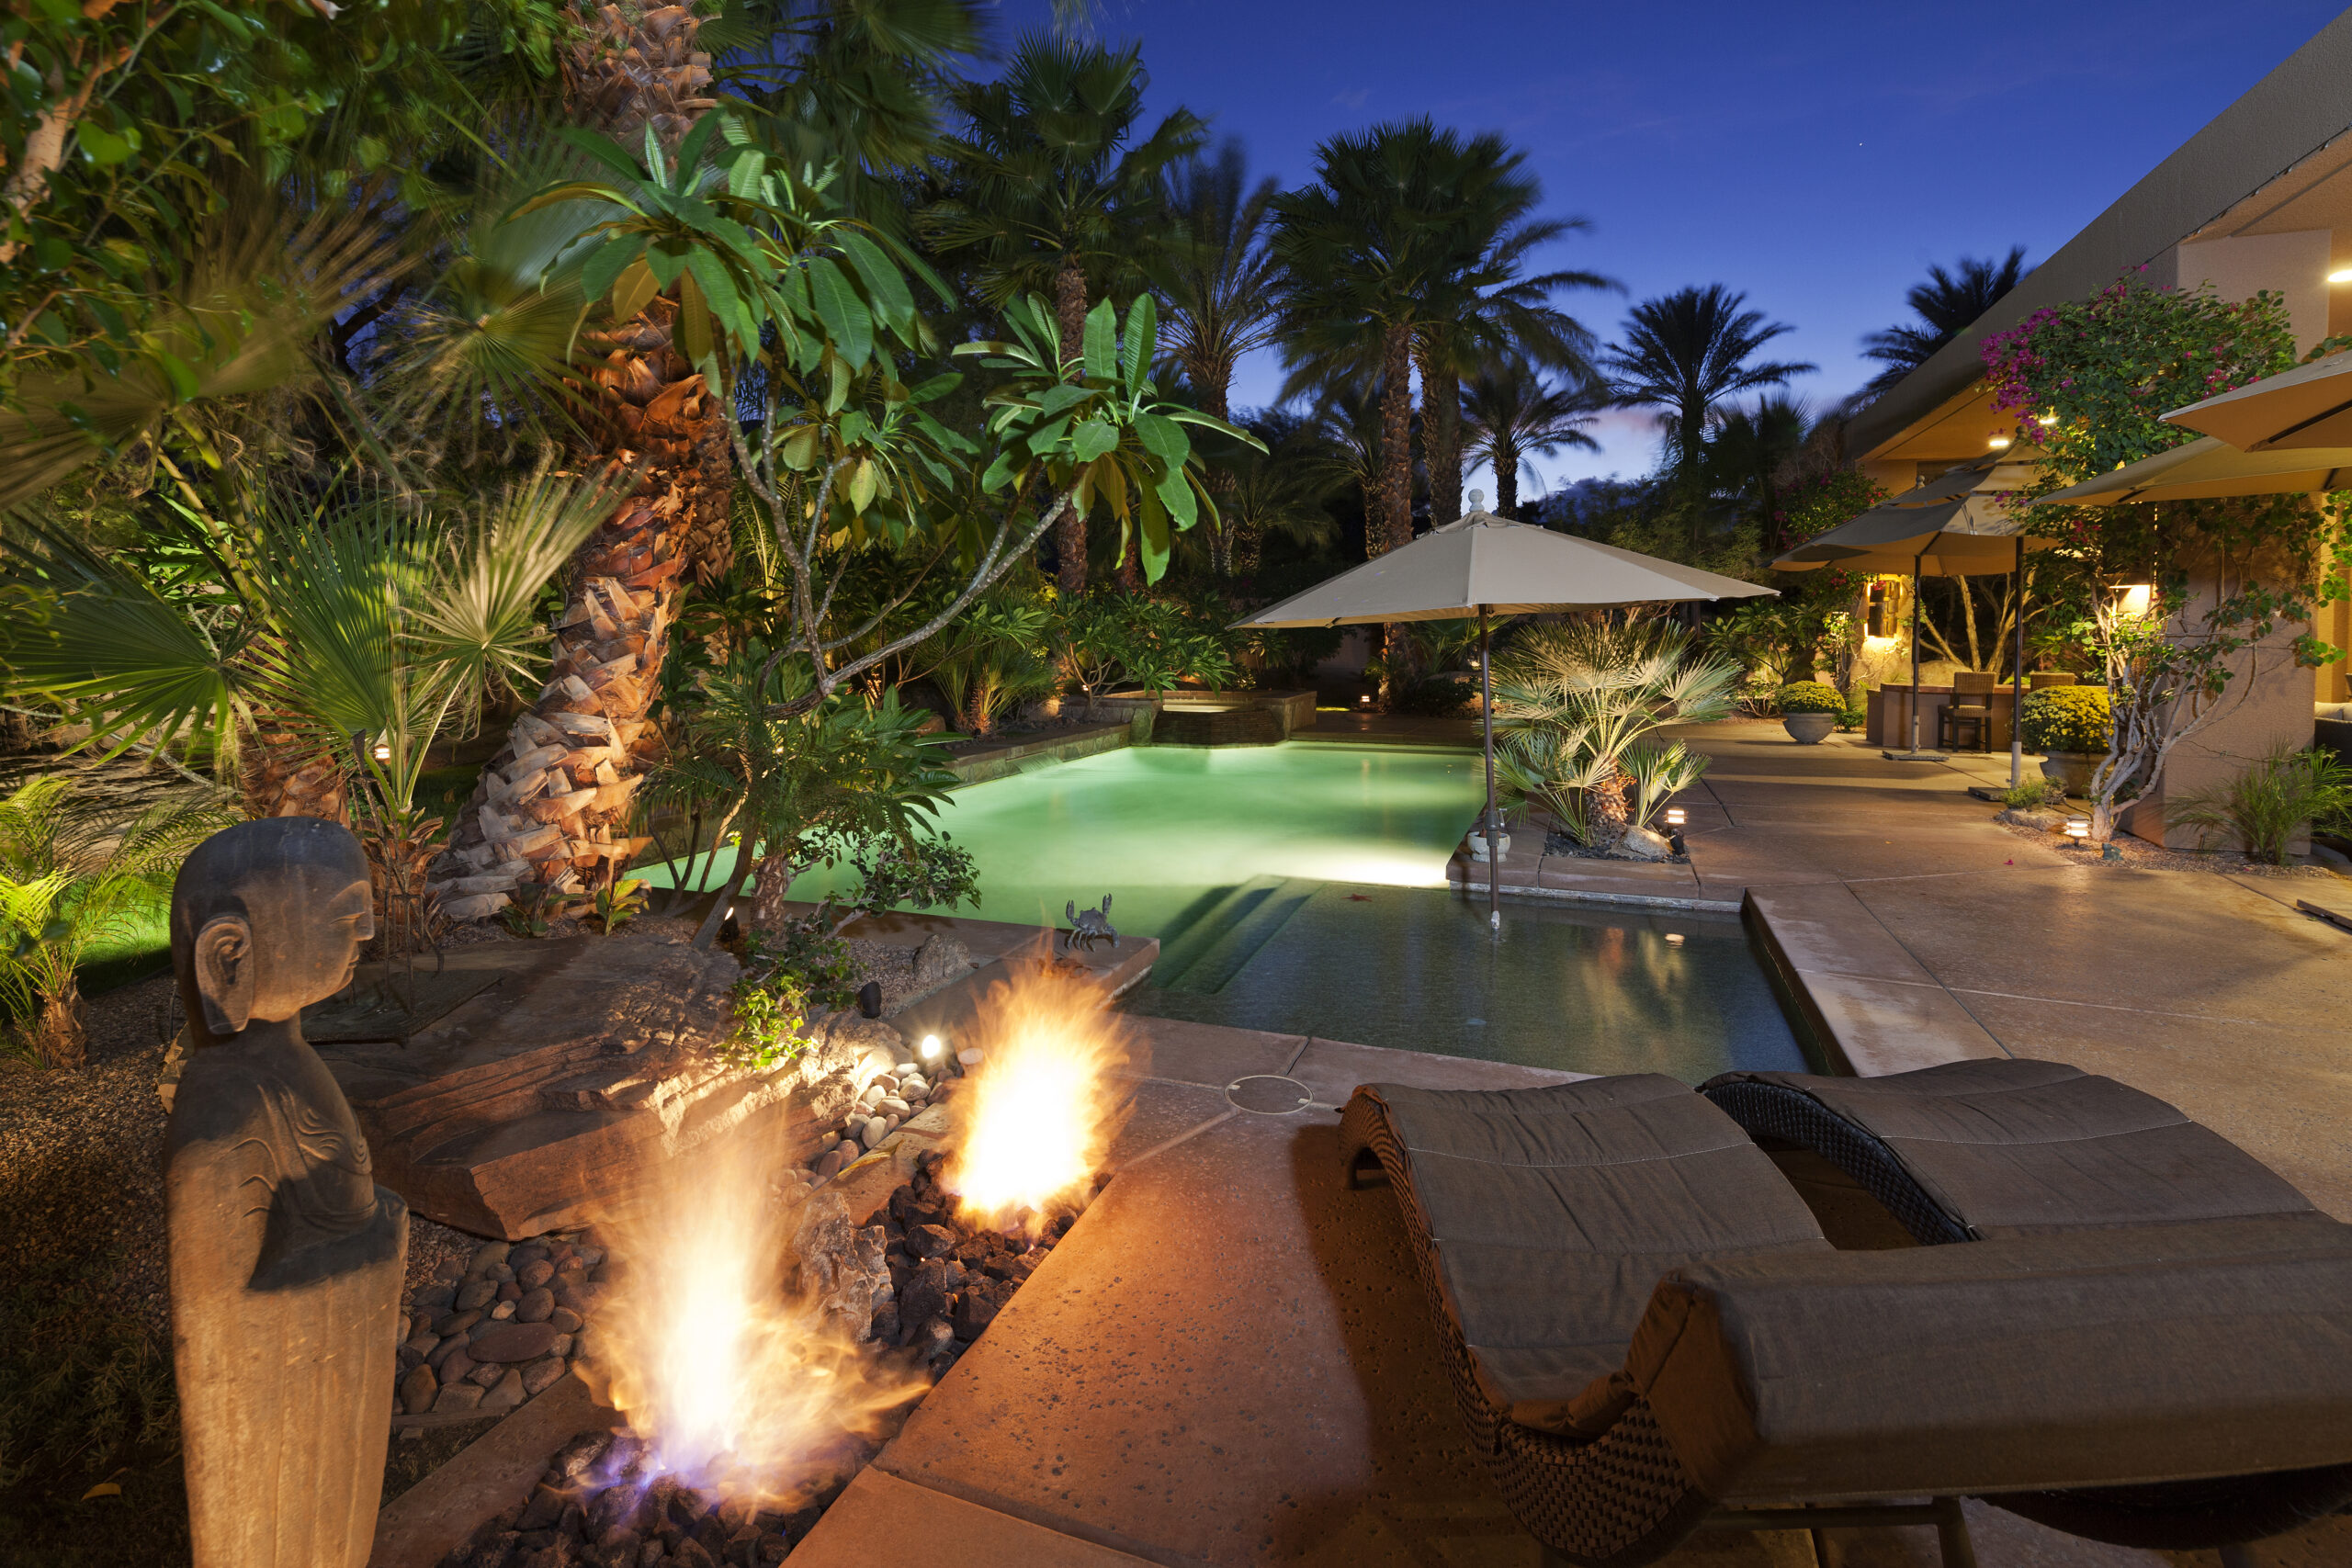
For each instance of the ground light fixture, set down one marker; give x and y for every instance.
(1675, 819)
(2078, 829)
(1674, 939)
(383, 751)
(931, 1047)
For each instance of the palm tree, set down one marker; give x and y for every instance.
(1278, 491)
(1483, 308)
(1751, 457)
(1051, 189)
(1219, 282)
(1515, 415)
(1687, 352)
(1948, 304)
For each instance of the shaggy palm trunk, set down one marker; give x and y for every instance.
(774, 886)
(1610, 811)
(1212, 385)
(1441, 423)
(61, 1034)
(1070, 311)
(283, 773)
(1393, 528)
(1506, 476)
(552, 806)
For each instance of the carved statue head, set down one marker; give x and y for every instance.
(268, 917)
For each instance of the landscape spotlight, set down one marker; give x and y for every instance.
(932, 1047)
(1674, 939)
(1675, 819)
(383, 751)
(1365, 700)
(2078, 829)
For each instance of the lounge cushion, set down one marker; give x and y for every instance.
(1551, 1214)
(2078, 1358)
(2009, 1147)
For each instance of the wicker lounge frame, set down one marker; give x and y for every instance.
(1609, 1477)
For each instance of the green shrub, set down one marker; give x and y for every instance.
(2066, 718)
(1434, 696)
(1811, 697)
(1853, 718)
(2263, 805)
(2035, 793)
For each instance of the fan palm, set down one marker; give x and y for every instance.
(1751, 454)
(70, 877)
(1281, 491)
(1688, 352)
(1948, 304)
(1576, 711)
(1515, 413)
(1053, 190)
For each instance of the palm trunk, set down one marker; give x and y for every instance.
(1441, 423)
(1069, 311)
(61, 1036)
(1506, 476)
(548, 806)
(1216, 402)
(1393, 528)
(768, 916)
(283, 774)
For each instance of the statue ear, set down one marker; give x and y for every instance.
(224, 973)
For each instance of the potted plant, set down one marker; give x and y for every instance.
(2069, 725)
(1809, 710)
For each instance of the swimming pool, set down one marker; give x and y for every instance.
(1301, 888)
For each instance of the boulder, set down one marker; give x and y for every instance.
(841, 1266)
(940, 958)
(1642, 843)
(2041, 820)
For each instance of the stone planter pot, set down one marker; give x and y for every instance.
(2070, 769)
(1478, 846)
(1808, 728)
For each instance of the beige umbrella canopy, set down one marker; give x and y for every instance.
(1483, 565)
(1954, 526)
(2208, 468)
(2306, 407)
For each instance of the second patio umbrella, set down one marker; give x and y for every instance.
(2308, 406)
(1483, 565)
(2208, 468)
(1954, 526)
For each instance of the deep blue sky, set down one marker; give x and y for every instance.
(1817, 156)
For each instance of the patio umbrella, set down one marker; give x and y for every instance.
(1483, 565)
(1954, 526)
(2308, 406)
(2208, 468)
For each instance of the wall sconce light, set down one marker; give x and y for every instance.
(931, 1047)
(2133, 598)
(1674, 939)
(1999, 444)
(2341, 275)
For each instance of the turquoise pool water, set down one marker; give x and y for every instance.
(1301, 888)
(1159, 827)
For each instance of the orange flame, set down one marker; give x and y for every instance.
(1041, 1109)
(738, 1386)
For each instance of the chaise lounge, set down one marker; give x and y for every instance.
(1649, 1333)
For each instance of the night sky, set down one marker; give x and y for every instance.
(1817, 156)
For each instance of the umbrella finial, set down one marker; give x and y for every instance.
(1478, 500)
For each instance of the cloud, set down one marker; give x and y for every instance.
(1354, 99)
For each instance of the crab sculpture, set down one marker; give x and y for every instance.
(1088, 927)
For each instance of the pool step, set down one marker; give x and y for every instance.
(1222, 942)
(1206, 926)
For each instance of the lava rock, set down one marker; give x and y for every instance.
(546, 1507)
(974, 1312)
(512, 1342)
(924, 1297)
(928, 1241)
(884, 1329)
(691, 1553)
(578, 1457)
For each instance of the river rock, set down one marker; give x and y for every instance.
(512, 1342)
(477, 1293)
(417, 1391)
(533, 1274)
(536, 1307)
(874, 1132)
(458, 1396)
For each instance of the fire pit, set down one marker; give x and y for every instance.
(761, 1346)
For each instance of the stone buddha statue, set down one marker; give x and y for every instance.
(287, 1258)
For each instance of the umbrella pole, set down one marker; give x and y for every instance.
(1916, 608)
(2017, 677)
(1487, 711)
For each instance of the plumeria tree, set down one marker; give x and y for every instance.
(2174, 600)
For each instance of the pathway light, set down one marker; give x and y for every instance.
(932, 1047)
(2079, 830)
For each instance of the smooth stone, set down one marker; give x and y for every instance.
(513, 1342)
(450, 1270)
(827, 1141)
(458, 1396)
(562, 1345)
(488, 1256)
(506, 1394)
(539, 1376)
(502, 1311)
(455, 1369)
(418, 1390)
(891, 1105)
(537, 1307)
(566, 1321)
(874, 1131)
(423, 1344)
(435, 1298)
(829, 1163)
(1643, 844)
(456, 1323)
(533, 1274)
(477, 1293)
(455, 1346)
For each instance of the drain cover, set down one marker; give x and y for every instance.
(1268, 1095)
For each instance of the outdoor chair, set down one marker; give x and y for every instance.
(1971, 708)
(1649, 1333)
(2041, 678)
